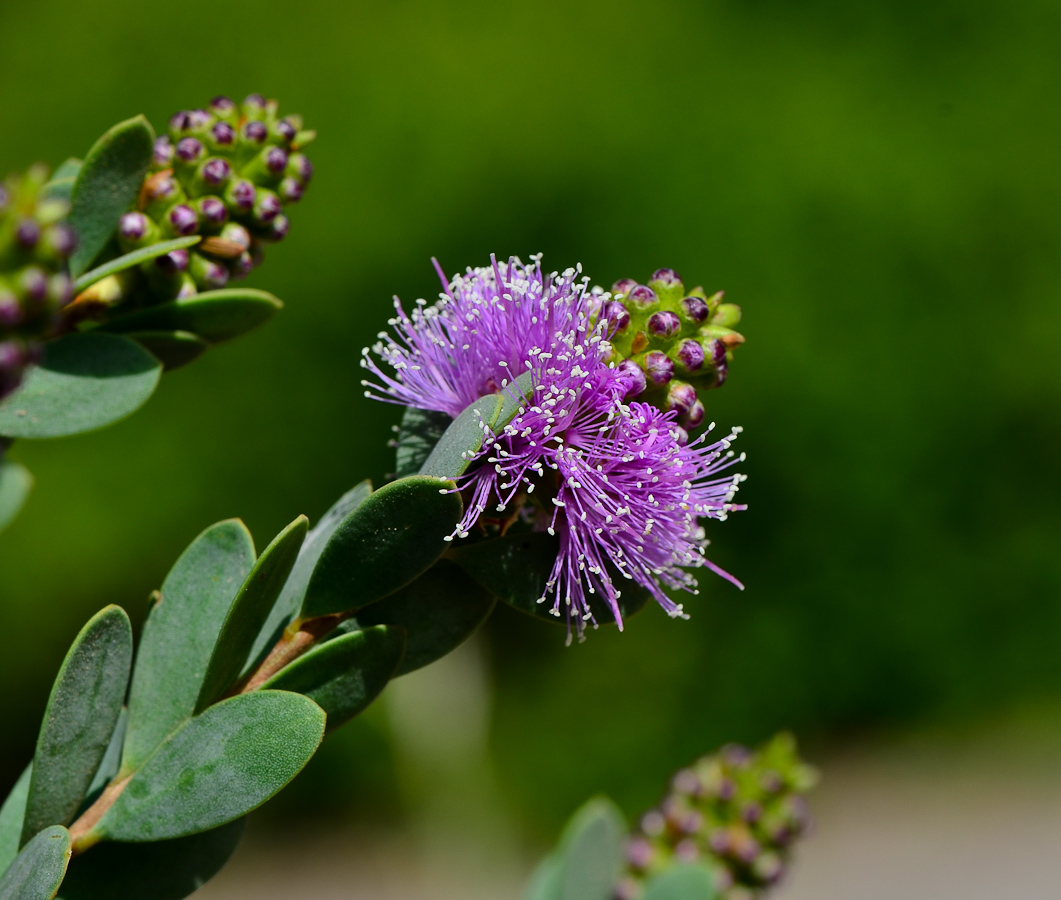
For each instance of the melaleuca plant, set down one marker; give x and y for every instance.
(117, 267)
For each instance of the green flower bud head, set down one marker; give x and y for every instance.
(34, 285)
(736, 812)
(682, 340)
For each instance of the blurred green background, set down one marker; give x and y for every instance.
(877, 184)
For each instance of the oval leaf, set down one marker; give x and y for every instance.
(345, 674)
(114, 266)
(15, 484)
(107, 186)
(111, 762)
(591, 852)
(393, 536)
(439, 612)
(249, 611)
(682, 882)
(11, 816)
(82, 712)
(417, 436)
(290, 602)
(38, 870)
(215, 316)
(463, 439)
(217, 767)
(179, 636)
(84, 382)
(161, 870)
(172, 348)
(516, 568)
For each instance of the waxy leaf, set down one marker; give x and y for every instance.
(161, 870)
(417, 436)
(121, 263)
(682, 882)
(179, 636)
(439, 612)
(111, 762)
(84, 382)
(217, 767)
(463, 439)
(215, 315)
(171, 348)
(345, 674)
(586, 863)
(11, 816)
(38, 870)
(290, 602)
(70, 168)
(249, 611)
(15, 484)
(82, 711)
(108, 183)
(393, 536)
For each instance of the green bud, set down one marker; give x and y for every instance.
(727, 315)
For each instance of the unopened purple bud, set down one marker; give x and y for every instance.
(299, 166)
(276, 160)
(242, 194)
(179, 122)
(183, 220)
(639, 852)
(752, 812)
(686, 851)
(634, 377)
(256, 101)
(769, 868)
(653, 823)
(719, 842)
(236, 234)
(696, 308)
(198, 118)
(133, 226)
(60, 289)
(737, 755)
(223, 134)
(617, 317)
(291, 190)
(277, 230)
(658, 367)
(163, 153)
(690, 355)
(209, 274)
(162, 189)
(12, 356)
(63, 240)
(771, 782)
(726, 789)
(641, 295)
(222, 106)
(216, 171)
(213, 212)
(688, 782)
(680, 398)
(667, 276)
(256, 132)
(34, 284)
(624, 286)
(241, 266)
(748, 850)
(716, 352)
(664, 324)
(695, 417)
(173, 263)
(286, 130)
(28, 233)
(267, 207)
(190, 150)
(691, 822)
(10, 310)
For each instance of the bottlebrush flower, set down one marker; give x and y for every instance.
(617, 483)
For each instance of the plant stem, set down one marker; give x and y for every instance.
(81, 837)
(291, 646)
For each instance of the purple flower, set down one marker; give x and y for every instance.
(616, 483)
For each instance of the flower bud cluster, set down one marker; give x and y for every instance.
(736, 812)
(34, 284)
(670, 342)
(226, 173)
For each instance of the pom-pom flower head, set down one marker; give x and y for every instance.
(618, 484)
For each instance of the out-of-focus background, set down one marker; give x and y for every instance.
(876, 184)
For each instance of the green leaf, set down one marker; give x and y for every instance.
(419, 432)
(345, 674)
(546, 881)
(107, 186)
(453, 453)
(15, 484)
(38, 870)
(590, 852)
(114, 266)
(217, 767)
(82, 712)
(515, 397)
(682, 882)
(215, 316)
(11, 815)
(439, 612)
(58, 189)
(161, 870)
(516, 569)
(172, 348)
(84, 382)
(111, 762)
(393, 536)
(179, 636)
(249, 611)
(290, 602)
(71, 168)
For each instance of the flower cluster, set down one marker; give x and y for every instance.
(618, 483)
(34, 284)
(226, 173)
(673, 343)
(737, 812)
